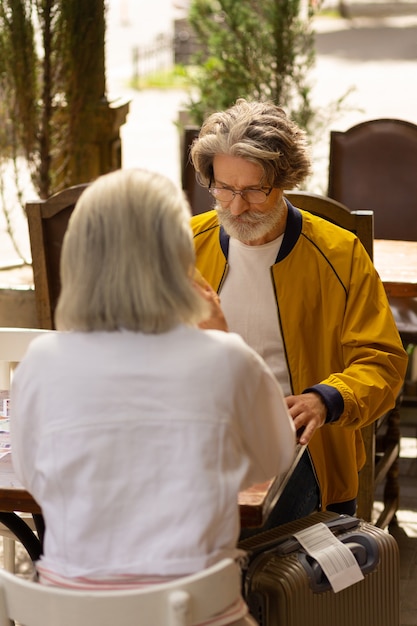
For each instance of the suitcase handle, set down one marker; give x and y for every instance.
(287, 544)
(363, 547)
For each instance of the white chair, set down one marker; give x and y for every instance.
(183, 602)
(13, 345)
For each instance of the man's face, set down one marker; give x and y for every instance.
(252, 223)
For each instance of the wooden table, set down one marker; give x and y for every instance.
(255, 504)
(396, 263)
(12, 495)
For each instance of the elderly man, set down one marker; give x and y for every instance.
(302, 292)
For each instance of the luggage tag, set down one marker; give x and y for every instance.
(334, 557)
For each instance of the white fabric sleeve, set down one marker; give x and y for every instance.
(267, 428)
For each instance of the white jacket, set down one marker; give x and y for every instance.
(136, 446)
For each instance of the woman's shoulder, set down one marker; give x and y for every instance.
(51, 343)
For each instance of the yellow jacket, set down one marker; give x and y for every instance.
(338, 332)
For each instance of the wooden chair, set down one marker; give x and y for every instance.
(13, 345)
(382, 439)
(47, 221)
(198, 196)
(372, 166)
(190, 600)
(358, 222)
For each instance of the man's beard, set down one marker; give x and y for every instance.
(250, 225)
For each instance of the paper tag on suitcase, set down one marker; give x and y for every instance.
(333, 556)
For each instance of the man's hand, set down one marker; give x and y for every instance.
(308, 412)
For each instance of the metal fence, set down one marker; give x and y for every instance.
(156, 57)
(165, 51)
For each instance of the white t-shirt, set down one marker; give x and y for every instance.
(136, 446)
(249, 303)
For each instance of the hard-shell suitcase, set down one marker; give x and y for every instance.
(283, 586)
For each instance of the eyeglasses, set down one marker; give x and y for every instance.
(252, 196)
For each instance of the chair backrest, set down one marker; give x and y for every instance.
(48, 221)
(189, 600)
(360, 223)
(199, 198)
(372, 166)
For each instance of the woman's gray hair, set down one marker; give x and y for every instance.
(128, 257)
(259, 132)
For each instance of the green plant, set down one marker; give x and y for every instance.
(258, 50)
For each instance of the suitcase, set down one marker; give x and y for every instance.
(283, 586)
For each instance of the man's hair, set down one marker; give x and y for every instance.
(128, 256)
(259, 132)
